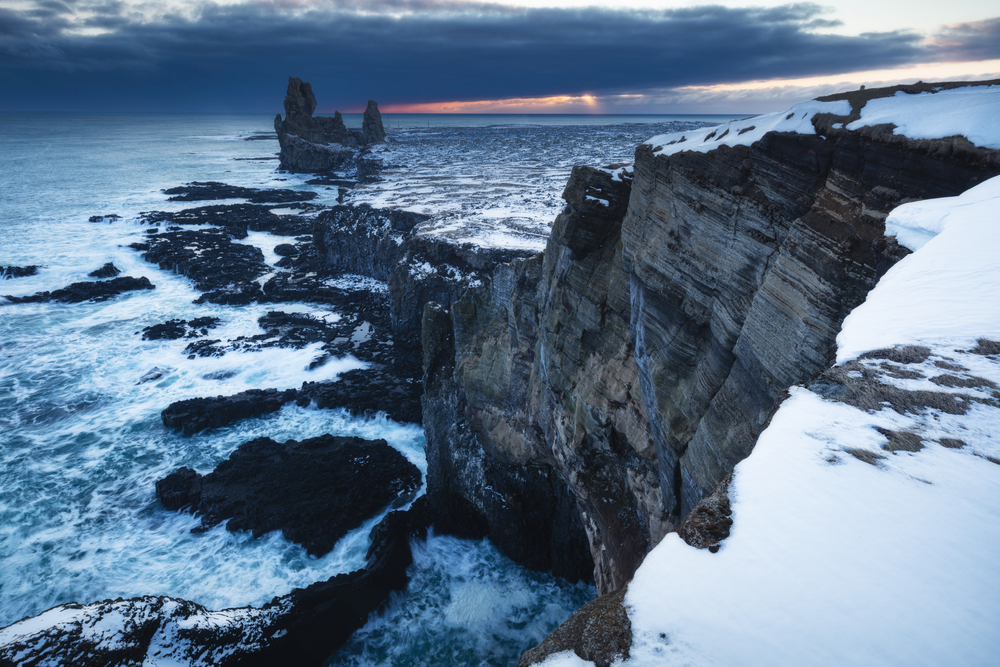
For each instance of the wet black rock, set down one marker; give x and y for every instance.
(174, 329)
(210, 190)
(225, 270)
(7, 272)
(110, 217)
(314, 491)
(102, 290)
(393, 390)
(253, 217)
(197, 414)
(285, 250)
(302, 628)
(109, 270)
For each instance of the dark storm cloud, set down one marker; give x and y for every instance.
(238, 57)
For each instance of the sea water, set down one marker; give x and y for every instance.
(81, 441)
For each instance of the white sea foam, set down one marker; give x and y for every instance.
(81, 440)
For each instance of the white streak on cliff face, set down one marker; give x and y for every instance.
(947, 291)
(745, 132)
(843, 551)
(972, 112)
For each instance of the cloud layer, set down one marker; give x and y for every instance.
(110, 55)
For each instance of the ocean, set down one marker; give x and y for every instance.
(81, 440)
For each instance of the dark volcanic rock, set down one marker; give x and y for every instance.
(302, 628)
(383, 244)
(372, 131)
(314, 491)
(253, 217)
(226, 271)
(109, 270)
(101, 290)
(174, 329)
(321, 143)
(197, 414)
(209, 190)
(7, 272)
(392, 390)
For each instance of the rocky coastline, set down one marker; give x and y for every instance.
(579, 404)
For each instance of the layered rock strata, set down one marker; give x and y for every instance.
(743, 262)
(635, 363)
(531, 409)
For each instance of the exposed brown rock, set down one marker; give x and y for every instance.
(708, 523)
(600, 631)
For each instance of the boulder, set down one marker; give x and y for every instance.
(314, 490)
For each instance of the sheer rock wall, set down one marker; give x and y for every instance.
(635, 362)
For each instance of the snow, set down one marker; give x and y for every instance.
(833, 559)
(947, 291)
(749, 130)
(834, 563)
(971, 112)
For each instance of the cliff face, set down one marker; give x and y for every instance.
(387, 245)
(635, 362)
(743, 262)
(534, 375)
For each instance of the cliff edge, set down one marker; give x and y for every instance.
(596, 393)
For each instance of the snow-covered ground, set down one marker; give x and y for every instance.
(866, 522)
(971, 111)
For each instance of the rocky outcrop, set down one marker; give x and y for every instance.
(302, 628)
(636, 362)
(531, 390)
(600, 631)
(372, 131)
(314, 491)
(109, 270)
(99, 290)
(387, 245)
(8, 272)
(314, 144)
(742, 264)
(213, 190)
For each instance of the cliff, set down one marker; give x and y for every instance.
(865, 520)
(315, 144)
(630, 367)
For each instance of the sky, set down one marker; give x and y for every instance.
(438, 56)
